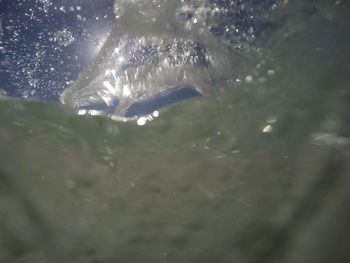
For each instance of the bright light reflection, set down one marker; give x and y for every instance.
(126, 91)
(107, 100)
(94, 112)
(94, 46)
(267, 129)
(81, 112)
(141, 121)
(144, 119)
(108, 86)
(121, 59)
(155, 114)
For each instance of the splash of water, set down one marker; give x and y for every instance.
(161, 46)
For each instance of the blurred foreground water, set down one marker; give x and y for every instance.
(258, 173)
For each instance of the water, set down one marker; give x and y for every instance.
(255, 173)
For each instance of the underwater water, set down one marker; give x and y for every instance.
(256, 172)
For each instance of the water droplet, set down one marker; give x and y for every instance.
(272, 119)
(155, 114)
(70, 184)
(249, 79)
(141, 121)
(271, 72)
(267, 129)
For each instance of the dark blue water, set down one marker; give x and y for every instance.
(33, 64)
(149, 106)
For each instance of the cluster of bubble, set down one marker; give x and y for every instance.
(46, 43)
(232, 20)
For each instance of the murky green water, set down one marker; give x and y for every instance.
(259, 173)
